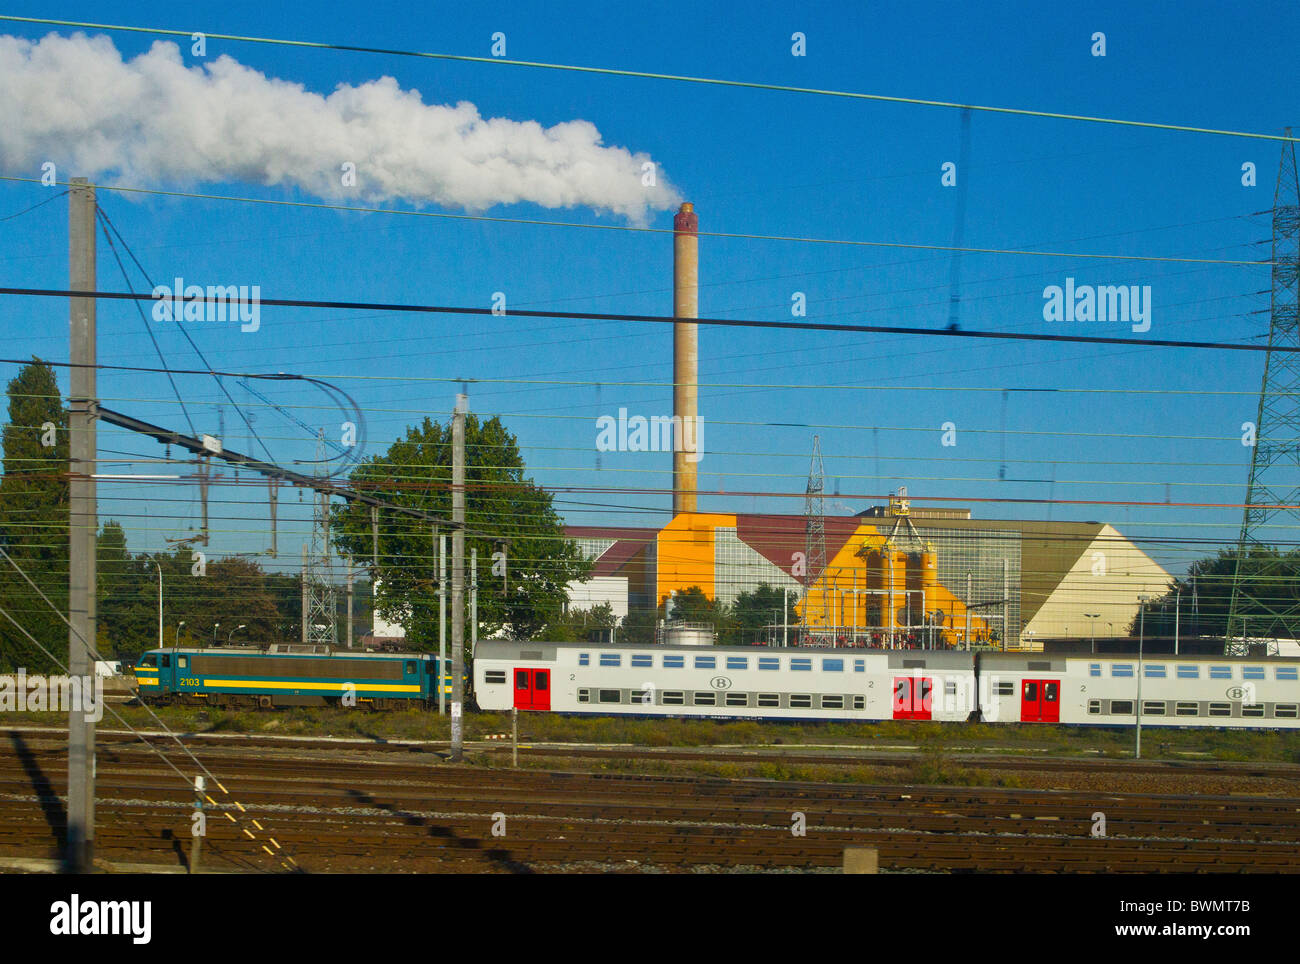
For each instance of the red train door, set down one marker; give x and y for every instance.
(1051, 705)
(1040, 701)
(532, 689)
(912, 697)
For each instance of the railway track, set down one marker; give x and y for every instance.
(396, 813)
(836, 756)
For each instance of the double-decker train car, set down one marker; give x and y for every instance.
(869, 685)
(1214, 691)
(722, 681)
(269, 678)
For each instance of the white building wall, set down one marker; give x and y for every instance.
(599, 590)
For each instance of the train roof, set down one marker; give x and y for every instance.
(1022, 659)
(255, 651)
(517, 649)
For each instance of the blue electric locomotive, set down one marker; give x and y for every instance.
(297, 676)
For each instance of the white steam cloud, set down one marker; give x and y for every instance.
(152, 120)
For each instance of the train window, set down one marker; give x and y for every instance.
(673, 697)
(150, 660)
(410, 666)
(1094, 669)
(674, 662)
(642, 659)
(769, 699)
(737, 699)
(801, 664)
(610, 696)
(832, 666)
(167, 661)
(800, 700)
(706, 662)
(1220, 672)
(859, 666)
(1154, 671)
(769, 662)
(832, 702)
(584, 659)
(494, 676)
(950, 687)
(1252, 709)
(584, 696)
(521, 679)
(1288, 711)
(643, 697)
(1121, 707)
(859, 702)
(1004, 689)
(1287, 672)
(611, 659)
(1221, 709)
(1187, 709)
(1153, 707)
(1094, 707)
(1252, 672)
(737, 662)
(1189, 672)
(705, 699)
(541, 680)
(1121, 669)
(182, 661)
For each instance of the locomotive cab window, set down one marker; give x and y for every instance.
(150, 660)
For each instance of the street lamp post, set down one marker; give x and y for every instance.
(160, 605)
(1093, 617)
(233, 631)
(1137, 748)
(214, 633)
(178, 634)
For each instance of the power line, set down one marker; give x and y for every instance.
(648, 75)
(732, 235)
(661, 319)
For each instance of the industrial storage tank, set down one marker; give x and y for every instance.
(687, 634)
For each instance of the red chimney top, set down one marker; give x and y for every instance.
(685, 220)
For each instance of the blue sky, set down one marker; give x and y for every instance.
(1134, 425)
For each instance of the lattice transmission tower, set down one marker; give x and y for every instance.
(1265, 601)
(815, 533)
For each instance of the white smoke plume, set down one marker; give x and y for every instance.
(152, 120)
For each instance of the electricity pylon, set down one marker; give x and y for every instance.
(1265, 602)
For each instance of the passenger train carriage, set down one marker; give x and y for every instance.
(251, 677)
(721, 681)
(1217, 691)
(869, 685)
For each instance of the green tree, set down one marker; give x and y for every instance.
(1209, 582)
(34, 519)
(126, 598)
(526, 595)
(753, 611)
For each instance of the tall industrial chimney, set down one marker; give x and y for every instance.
(686, 356)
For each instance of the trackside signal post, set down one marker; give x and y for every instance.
(83, 522)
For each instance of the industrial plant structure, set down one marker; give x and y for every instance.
(891, 576)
